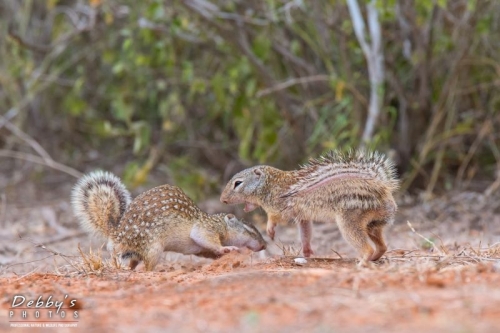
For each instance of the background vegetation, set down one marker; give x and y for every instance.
(197, 89)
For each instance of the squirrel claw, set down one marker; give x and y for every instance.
(307, 251)
(364, 264)
(270, 232)
(227, 249)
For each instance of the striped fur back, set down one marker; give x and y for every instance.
(336, 166)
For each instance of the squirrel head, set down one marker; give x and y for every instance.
(245, 187)
(243, 234)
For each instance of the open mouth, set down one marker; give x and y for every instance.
(249, 207)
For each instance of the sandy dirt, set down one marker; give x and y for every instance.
(442, 277)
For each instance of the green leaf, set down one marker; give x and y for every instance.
(121, 110)
(142, 136)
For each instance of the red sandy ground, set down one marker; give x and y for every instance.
(451, 286)
(233, 294)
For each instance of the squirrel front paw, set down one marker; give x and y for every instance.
(271, 230)
(227, 249)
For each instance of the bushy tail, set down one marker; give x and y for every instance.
(99, 200)
(380, 164)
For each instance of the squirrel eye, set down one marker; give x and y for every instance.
(237, 183)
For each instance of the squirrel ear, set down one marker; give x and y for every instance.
(257, 171)
(230, 219)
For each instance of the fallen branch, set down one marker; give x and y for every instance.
(64, 238)
(36, 159)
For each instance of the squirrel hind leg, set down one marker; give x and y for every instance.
(376, 234)
(353, 227)
(305, 228)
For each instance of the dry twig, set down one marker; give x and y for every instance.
(39, 160)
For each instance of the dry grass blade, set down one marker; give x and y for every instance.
(288, 250)
(337, 254)
(53, 252)
(426, 239)
(93, 263)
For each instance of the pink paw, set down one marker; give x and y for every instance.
(227, 249)
(307, 251)
(271, 231)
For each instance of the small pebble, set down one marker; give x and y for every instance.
(300, 261)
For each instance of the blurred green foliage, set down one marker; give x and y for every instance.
(199, 89)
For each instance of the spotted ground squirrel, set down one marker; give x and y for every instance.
(161, 219)
(355, 189)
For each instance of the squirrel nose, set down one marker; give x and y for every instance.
(263, 247)
(224, 201)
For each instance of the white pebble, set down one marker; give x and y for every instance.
(300, 261)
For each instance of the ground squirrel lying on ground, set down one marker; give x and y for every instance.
(354, 189)
(161, 219)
